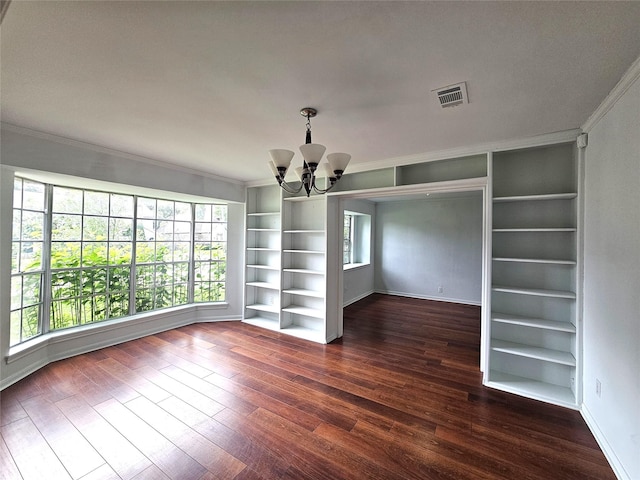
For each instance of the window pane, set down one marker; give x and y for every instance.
(202, 251)
(94, 280)
(17, 193)
(31, 256)
(164, 231)
(33, 195)
(120, 229)
(31, 289)
(119, 253)
(203, 213)
(15, 327)
(220, 213)
(183, 211)
(95, 228)
(32, 225)
(146, 207)
(15, 257)
(65, 254)
(67, 200)
(219, 231)
(65, 284)
(64, 314)
(96, 203)
(30, 327)
(16, 226)
(16, 292)
(165, 209)
(145, 252)
(66, 227)
(119, 279)
(164, 252)
(182, 231)
(146, 230)
(94, 254)
(219, 250)
(121, 205)
(181, 251)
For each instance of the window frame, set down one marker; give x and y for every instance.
(48, 272)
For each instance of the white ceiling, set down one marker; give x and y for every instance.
(215, 85)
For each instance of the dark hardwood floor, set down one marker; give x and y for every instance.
(398, 397)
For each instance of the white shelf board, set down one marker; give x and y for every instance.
(538, 292)
(263, 249)
(270, 286)
(305, 333)
(263, 229)
(538, 353)
(303, 251)
(304, 293)
(269, 323)
(546, 392)
(303, 270)
(534, 230)
(261, 307)
(306, 311)
(543, 197)
(264, 267)
(533, 322)
(262, 214)
(304, 198)
(303, 231)
(534, 260)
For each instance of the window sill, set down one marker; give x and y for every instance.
(354, 266)
(31, 346)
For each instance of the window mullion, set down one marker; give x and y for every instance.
(192, 255)
(46, 294)
(132, 270)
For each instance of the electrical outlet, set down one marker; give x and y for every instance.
(598, 388)
(440, 289)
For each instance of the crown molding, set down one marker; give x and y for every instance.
(564, 136)
(627, 80)
(113, 152)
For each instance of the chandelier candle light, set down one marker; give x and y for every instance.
(311, 157)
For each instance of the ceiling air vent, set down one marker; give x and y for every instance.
(452, 95)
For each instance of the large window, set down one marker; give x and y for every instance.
(100, 255)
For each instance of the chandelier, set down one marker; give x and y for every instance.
(311, 157)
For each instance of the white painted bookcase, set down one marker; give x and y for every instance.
(531, 334)
(533, 340)
(286, 264)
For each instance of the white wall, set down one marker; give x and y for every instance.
(358, 282)
(612, 283)
(421, 245)
(23, 152)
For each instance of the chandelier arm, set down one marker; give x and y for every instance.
(289, 189)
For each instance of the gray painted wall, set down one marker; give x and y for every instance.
(421, 245)
(611, 279)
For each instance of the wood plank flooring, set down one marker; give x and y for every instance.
(398, 397)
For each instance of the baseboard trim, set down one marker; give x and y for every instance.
(606, 448)
(428, 297)
(358, 298)
(66, 344)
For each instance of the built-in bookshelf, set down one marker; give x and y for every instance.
(304, 266)
(263, 257)
(533, 339)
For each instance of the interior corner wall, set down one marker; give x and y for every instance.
(358, 282)
(422, 245)
(611, 307)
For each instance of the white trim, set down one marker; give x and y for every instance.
(427, 297)
(60, 344)
(358, 298)
(607, 449)
(564, 136)
(111, 151)
(630, 76)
